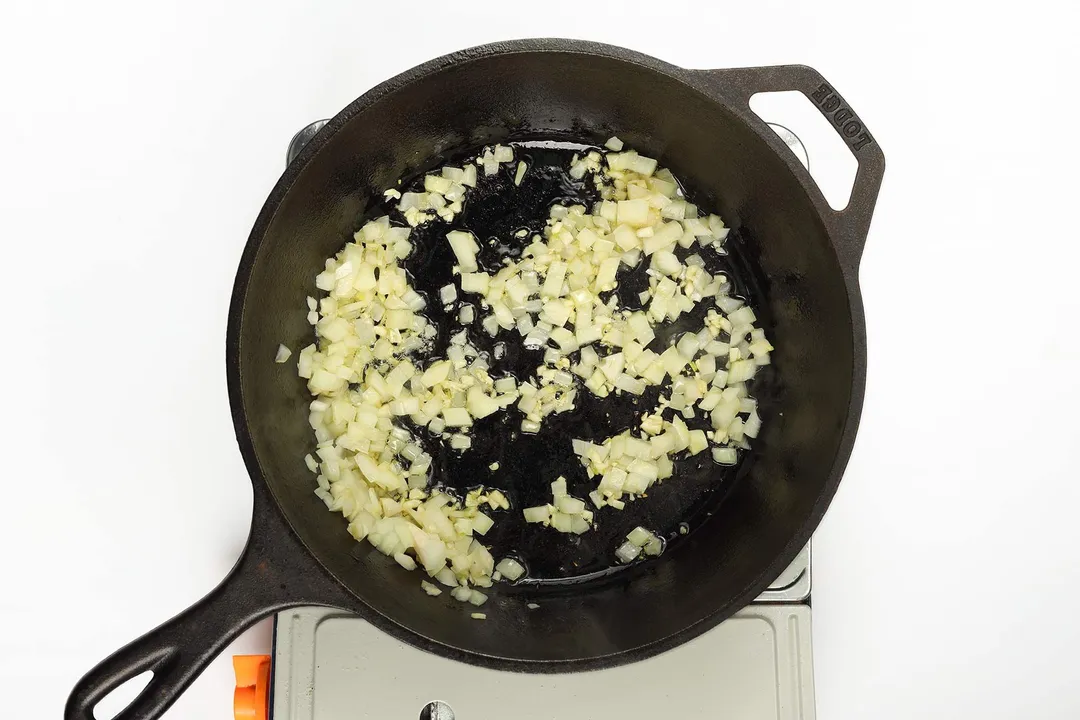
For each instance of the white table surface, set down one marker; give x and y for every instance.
(141, 138)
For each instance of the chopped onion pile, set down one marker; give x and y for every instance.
(444, 193)
(510, 569)
(367, 375)
(369, 467)
(443, 196)
(553, 297)
(639, 540)
(564, 513)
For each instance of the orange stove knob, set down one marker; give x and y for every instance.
(252, 695)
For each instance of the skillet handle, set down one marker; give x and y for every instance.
(853, 222)
(273, 573)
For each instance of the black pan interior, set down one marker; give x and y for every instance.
(781, 255)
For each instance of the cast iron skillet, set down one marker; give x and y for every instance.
(796, 257)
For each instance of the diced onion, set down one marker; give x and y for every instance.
(627, 552)
(725, 455)
(465, 248)
(482, 523)
(639, 536)
(510, 569)
(538, 514)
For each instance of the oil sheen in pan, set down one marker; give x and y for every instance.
(495, 211)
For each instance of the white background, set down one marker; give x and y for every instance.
(141, 138)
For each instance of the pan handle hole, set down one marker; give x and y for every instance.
(437, 710)
(111, 705)
(831, 162)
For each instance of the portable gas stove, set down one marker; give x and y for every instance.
(330, 665)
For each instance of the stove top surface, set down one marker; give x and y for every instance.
(330, 665)
(333, 666)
